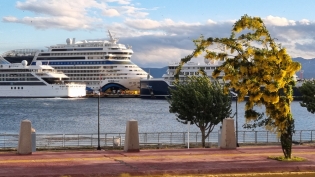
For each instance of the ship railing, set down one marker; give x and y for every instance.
(21, 52)
(47, 141)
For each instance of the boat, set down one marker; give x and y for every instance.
(36, 81)
(18, 55)
(158, 88)
(104, 65)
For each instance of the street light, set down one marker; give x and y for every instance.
(188, 123)
(236, 123)
(98, 121)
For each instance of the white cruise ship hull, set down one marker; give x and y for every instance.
(44, 91)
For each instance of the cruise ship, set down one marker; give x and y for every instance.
(159, 87)
(36, 81)
(104, 65)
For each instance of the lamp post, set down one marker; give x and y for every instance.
(188, 124)
(236, 123)
(98, 122)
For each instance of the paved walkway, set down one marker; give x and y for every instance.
(155, 162)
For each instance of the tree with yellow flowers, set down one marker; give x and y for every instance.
(255, 66)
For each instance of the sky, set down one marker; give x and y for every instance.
(160, 32)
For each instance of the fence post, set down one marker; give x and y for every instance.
(171, 137)
(78, 140)
(301, 136)
(184, 140)
(105, 139)
(145, 137)
(63, 140)
(243, 137)
(158, 137)
(267, 137)
(311, 135)
(197, 139)
(91, 140)
(255, 137)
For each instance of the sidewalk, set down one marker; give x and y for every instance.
(195, 161)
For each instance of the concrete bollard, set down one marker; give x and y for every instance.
(132, 137)
(25, 139)
(228, 140)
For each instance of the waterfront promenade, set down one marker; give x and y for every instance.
(159, 162)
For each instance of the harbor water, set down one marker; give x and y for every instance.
(80, 116)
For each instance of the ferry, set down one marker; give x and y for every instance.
(104, 65)
(36, 81)
(158, 88)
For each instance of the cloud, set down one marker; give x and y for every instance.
(10, 19)
(66, 23)
(111, 12)
(142, 23)
(304, 22)
(154, 41)
(132, 11)
(120, 1)
(211, 22)
(278, 21)
(75, 9)
(158, 56)
(308, 46)
(73, 15)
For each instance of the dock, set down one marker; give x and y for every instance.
(113, 96)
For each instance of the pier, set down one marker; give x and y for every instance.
(113, 96)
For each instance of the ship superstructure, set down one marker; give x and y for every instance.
(101, 64)
(18, 55)
(192, 69)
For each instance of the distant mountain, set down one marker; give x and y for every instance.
(308, 69)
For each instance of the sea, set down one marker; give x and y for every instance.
(81, 115)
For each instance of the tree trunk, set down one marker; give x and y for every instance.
(203, 136)
(286, 140)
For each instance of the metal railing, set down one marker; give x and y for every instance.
(165, 138)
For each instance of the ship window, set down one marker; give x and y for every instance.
(11, 87)
(22, 88)
(191, 73)
(14, 87)
(18, 87)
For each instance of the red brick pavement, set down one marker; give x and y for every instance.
(154, 162)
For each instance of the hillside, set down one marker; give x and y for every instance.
(308, 67)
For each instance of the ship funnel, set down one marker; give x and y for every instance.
(73, 41)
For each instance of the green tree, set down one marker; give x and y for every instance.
(201, 102)
(254, 60)
(308, 96)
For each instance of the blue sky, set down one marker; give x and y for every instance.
(158, 31)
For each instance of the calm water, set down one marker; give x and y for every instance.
(57, 115)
